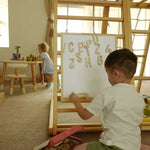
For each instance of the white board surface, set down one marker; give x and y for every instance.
(83, 60)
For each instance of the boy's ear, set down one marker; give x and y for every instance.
(116, 72)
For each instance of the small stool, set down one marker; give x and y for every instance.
(18, 76)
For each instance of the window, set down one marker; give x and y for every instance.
(4, 32)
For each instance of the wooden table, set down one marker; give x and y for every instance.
(32, 63)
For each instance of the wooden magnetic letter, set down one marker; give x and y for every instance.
(87, 50)
(88, 42)
(71, 49)
(79, 58)
(80, 45)
(88, 62)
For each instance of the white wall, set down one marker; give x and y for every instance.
(27, 27)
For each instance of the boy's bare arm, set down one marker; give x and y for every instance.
(83, 112)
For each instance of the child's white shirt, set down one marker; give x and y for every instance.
(47, 64)
(121, 111)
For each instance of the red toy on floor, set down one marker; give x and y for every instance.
(62, 141)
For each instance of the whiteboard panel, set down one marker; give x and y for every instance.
(83, 57)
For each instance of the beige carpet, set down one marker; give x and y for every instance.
(24, 120)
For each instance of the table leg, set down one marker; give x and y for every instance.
(16, 71)
(3, 75)
(33, 76)
(42, 76)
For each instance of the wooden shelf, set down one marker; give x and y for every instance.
(89, 18)
(126, 36)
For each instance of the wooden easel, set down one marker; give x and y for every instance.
(126, 36)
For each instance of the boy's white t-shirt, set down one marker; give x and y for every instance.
(121, 111)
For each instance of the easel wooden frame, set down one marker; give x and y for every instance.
(54, 127)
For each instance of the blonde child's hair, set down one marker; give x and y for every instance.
(44, 47)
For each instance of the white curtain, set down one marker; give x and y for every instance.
(4, 35)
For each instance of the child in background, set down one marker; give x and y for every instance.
(47, 68)
(120, 107)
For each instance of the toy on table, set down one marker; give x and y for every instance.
(62, 141)
(31, 58)
(147, 105)
(147, 110)
(17, 56)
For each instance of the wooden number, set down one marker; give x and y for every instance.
(96, 51)
(100, 60)
(108, 50)
(88, 62)
(71, 49)
(71, 66)
(79, 58)
(96, 42)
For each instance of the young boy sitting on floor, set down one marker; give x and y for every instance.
(120, 107)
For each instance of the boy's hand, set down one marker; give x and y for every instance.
(83, 112)
(74, 98)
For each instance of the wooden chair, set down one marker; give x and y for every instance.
(17, 76)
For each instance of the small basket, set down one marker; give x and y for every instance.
(67, 144)
(62, 141)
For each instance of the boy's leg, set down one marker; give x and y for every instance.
(48, 77)
(145, 147)
(49, 80)
(81, 146)
(45, 77)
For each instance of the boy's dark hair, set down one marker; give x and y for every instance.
(123, 60)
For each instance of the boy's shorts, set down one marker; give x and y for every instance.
(50, 73)
(97, 145)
